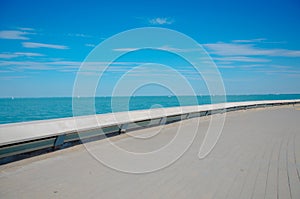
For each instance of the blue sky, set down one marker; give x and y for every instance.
(255, 44)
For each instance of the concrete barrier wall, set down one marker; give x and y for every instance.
(19, 138)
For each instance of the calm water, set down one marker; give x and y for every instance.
(29, 109)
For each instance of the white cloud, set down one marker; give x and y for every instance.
(226, 66)
(168, 48)
(79, 35)
(19, 54)
(165, 48)
(43, 45)
(7, 55)
(241, 59)
(234, 49)
(14, 34)
(161, 21)
(249, 40)
(29, 54)
(258, 40)
(125, 49)
(90, 45)
(66, 66)
(26, 29)
(12, 77)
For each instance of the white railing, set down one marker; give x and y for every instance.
(17, 138)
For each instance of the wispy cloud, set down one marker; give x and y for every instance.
(7, 55)
(125, 49)
(28, 54)
(249, 40)
(248, 55)
(26, 29)
(73, 67)
(21, 66)
(161, 21)
(235, 49)
(43, 45)
(79, 35)
(172, 49)
(12, 77)
(261, 68)
(165, 48)
(280, 71)
(90, 45)
(242, 59)
(66, 66)
(14, 34)
(19, 54)
(258, 40)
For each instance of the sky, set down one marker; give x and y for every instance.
(254, 44)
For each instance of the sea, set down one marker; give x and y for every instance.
(14, 110)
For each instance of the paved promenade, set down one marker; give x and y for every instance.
(257, 156)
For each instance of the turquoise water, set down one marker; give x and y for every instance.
(29, 109)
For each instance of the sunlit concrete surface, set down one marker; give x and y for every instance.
(257, 156)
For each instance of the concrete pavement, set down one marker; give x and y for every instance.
(257, 156)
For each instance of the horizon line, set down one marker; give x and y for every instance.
(14, 97)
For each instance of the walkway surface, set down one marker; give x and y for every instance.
(257, 156)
